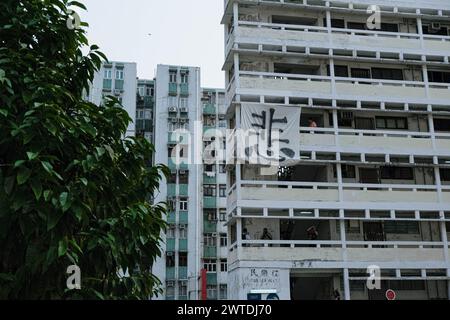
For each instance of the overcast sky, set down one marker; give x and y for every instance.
(183, 32)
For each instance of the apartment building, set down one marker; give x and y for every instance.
(145, 104)
(193, 265)
(116, 79)
(360, 97)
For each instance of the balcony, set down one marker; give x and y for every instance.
(178, 138)
(320, 194)
(211, 278)
(118, 84)
(171, 190)
(183, 217)
(183, 245)
(170, 273)
(209, 109)
(209, 202)
(173, 166)
(209, 226)
(280, 84)
(184, 89)
(170, 245)
(107, 84)
(339, 39)
(171, 218)
(173, 89)
(182, 273)
(209, 252)
(374, 141)
(209, 179)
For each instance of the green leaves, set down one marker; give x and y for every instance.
(23, 175)
(74, 191)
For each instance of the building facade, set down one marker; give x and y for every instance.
(117, 79)
(367, 188)
(195, 192)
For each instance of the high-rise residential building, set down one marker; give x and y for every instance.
(145, 104)
(193, 263)
(359, 97)
(116, 79)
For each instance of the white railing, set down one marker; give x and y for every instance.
(329, 79)
(335, 186)
(338, 243)
(378, 133)
(353, 32)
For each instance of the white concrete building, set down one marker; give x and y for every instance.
(195, 240)
(118, 79)
(370, 183)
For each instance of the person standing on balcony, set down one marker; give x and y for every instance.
(312, 123)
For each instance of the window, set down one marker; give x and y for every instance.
(223, 292)
(170, 259)
(182, 288)
(211, 292)
(368, 175)
(173, 126)
(336, 23)
(119, 74)
(171, 231)
(402, 227)
(183, 231)
(360, 73)
(427, 29)
(442, 125)
(173, 102)
(209, 168)
(141, 91)
(150, 91)
(223, 265)
(108, 74)
(222, 123)
(223, 239)
(389, 27)
(397, 173)
(170, 288)
(356, 25)
(445, 175)
(223, 215)
(222, 191)
(172, 178)
(182, 259)
(183, 204)
(184, 178)
(209, 190)
(348, 171)
(364, 123)
(184, 77)
(172, 76)
(209, 240)
(183, 102)
(407, 285)
(392, 123)
(341, 71)
(438, 76)
(387, 74)
(210, 265)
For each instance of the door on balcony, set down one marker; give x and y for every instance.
(373, 231)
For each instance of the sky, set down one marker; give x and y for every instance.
(182, 32)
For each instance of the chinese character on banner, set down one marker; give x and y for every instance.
(272, 133)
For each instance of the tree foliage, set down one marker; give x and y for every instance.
(73, 190)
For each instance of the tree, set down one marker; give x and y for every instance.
(74, 191)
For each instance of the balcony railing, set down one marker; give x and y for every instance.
(329, 79)
(353, 32)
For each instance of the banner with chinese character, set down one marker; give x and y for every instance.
(270, 134)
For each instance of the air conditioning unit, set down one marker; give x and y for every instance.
(172, 109)
(435, 26)
(182, 227)
(214, 234)
(184, 109)
(117, 92)
(170, 283)
(169, 253)
(182, 172)
(183, 120)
